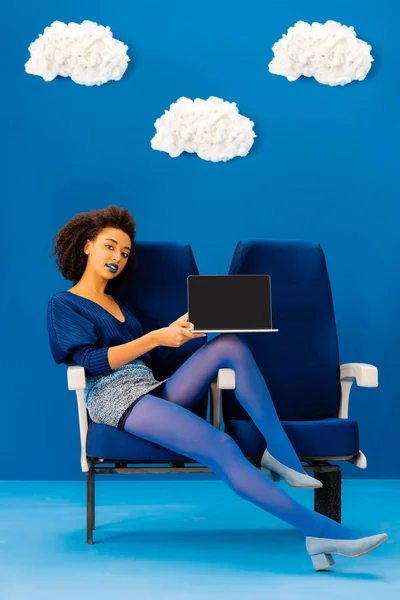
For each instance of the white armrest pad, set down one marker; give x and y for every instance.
(76, 378)
(226, 379)
(77, 381)
(364, 375)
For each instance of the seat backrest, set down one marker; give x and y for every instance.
(300, 363)
(157, 295)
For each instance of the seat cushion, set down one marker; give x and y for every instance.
(108, 442)
(324, 438)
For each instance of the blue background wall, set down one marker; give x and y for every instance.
(324, 166)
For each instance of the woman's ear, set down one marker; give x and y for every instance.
(87, 246)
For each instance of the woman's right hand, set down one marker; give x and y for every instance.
(174, 336)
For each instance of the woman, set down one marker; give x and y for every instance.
(88, 327)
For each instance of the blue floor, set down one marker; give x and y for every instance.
(184, 539)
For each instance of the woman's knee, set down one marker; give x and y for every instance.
(224, 443)
(231, 345)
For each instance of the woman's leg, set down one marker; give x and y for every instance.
(191, 381)
(174, 427)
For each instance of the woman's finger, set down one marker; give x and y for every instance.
(188, 333)
(186, 324)
(191, 335)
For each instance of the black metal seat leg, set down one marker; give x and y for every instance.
(328, 499)
(90, 506)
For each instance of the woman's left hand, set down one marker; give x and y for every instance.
(182, 322)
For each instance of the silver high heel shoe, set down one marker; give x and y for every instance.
(275, 470)
(321, 549)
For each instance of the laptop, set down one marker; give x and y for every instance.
(229, 303)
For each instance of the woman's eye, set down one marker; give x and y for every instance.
(124, 254)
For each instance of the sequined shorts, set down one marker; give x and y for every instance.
(110, 398)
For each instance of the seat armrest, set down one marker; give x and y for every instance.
(364, 375)
(76, 378)
(225, 380)
(77, 381)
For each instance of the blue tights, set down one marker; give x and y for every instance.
(169, 422)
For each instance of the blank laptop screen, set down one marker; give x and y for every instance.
(230, 301)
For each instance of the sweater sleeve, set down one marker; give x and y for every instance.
(73, 339)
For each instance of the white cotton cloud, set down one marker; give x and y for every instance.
(329, 52)
(86, 52)
(213, 129)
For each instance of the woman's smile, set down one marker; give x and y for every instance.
(112, 267)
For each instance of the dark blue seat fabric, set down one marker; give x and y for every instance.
(104, 441)
(300, 363)
(318, 439)
(157, 294)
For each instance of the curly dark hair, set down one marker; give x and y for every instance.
(70, 241)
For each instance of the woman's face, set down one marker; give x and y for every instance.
(109, 252)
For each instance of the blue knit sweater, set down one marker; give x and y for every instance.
(81, 331)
